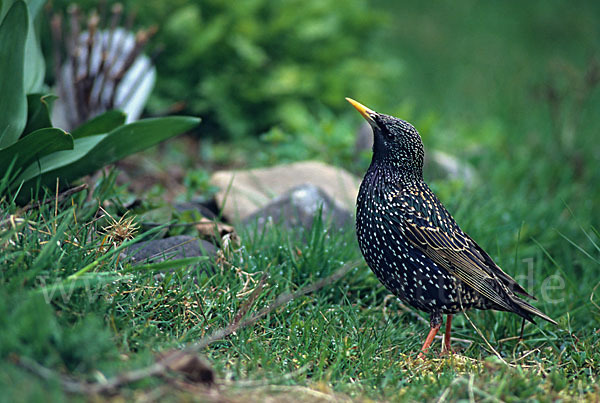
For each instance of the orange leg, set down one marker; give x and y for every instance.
(429, 339)
(446, 349)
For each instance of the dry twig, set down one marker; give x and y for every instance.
(480, 333)
(59, 198)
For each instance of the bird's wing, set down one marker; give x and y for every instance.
(429, 226)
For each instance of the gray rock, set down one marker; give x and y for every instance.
(299, 207)
(364, 138)
(441, 165)
(244, 192)
(175, 247)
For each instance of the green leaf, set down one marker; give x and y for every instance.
(4, 5)
(13, 103)
(100, 124)
(93, 152)
(38, 144)
(59, 159)
(38, 112)
(35, 6)
(35, 68)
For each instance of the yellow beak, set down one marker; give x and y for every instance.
(363, 110)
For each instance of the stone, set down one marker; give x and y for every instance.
(299, 207)
(176, 247)
(364, 138)
(195, 208)
(244, 192)
(441, 165)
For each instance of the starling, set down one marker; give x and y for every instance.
(412, 243)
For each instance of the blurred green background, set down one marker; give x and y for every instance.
(466, 73)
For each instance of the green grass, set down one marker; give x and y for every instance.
(347, 339)
(478, 83)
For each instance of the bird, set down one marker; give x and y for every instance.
(413, 244)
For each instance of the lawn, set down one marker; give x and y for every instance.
(508, 88)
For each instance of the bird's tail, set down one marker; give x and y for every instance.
(530, 310)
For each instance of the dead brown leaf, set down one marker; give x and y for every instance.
(208, 228)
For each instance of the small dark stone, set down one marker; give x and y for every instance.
(299, 207)
(197, 207)
(175, 247)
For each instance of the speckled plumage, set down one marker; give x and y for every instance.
(412, 243)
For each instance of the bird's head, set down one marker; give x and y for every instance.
(395, 141)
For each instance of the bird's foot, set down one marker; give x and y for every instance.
(432, 332)
(447, 351)
(421, 356)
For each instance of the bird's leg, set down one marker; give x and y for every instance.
(429, 340)
(435, 323)
(446, 349)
